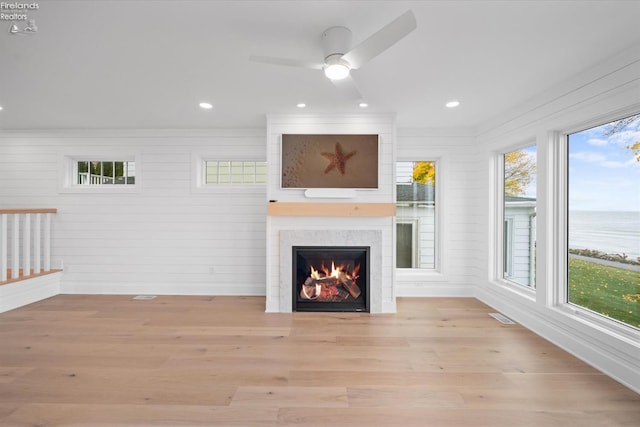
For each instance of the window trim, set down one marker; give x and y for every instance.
(68, 171)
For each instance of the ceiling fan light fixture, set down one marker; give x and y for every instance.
(336, 68)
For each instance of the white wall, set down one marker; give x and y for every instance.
(605, 92)
(164, 238)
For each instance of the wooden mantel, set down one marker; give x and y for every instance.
(331, 209)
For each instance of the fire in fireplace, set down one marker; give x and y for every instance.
(330, 278)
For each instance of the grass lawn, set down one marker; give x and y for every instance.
(610, 291)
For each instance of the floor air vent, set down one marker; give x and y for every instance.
(144, 297)
(502, 318)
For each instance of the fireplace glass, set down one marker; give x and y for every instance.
(333, 278)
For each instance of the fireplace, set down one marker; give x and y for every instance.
(330, 278)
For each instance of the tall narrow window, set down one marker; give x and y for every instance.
(604, 220)
(416, 215)
(519, 216)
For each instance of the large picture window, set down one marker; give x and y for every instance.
(416, 214)
(519, 216)
(603, 219)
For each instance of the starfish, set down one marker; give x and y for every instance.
(337, 159)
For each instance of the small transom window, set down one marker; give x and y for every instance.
(235, 172)
(91, 172)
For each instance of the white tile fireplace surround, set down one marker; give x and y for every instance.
(371, 238)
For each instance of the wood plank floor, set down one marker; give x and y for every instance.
(221, 361)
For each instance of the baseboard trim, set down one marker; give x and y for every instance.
(135, 288)
(437, 290)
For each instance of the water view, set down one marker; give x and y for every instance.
(608, 232)
(604, 216)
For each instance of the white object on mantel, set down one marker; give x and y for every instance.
(330, 193)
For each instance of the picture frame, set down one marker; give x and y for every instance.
(349, 161)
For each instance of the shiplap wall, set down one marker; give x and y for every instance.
(167, 237)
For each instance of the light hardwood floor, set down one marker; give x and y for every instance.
(222, 361)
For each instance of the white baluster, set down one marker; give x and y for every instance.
(37, 241)
(4, 261)
(47, 242)
(15, 246)
(26, 246)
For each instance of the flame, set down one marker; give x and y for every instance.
(335, 272)
(356, 270)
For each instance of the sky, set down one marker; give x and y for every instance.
(603, 173)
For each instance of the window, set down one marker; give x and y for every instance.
(95, 172)
(519, 216)
(406, 249)
(235, 172)
(603, 220)
(507, 247)
(416, 215)
(90, 172)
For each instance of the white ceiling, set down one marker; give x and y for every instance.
(147, 64)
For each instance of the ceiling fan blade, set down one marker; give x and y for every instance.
(286, 61)
(381, 40)
(348, 88)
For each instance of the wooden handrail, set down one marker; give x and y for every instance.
(28, 210)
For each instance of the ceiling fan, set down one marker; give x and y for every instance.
(340, 58)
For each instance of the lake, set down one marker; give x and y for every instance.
(609, 232)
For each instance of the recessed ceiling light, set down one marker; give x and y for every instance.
(452, 104)
(301, 105)
(206, 105)
(0, 107)
(363, 105)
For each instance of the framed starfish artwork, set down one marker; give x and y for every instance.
(329, 161)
